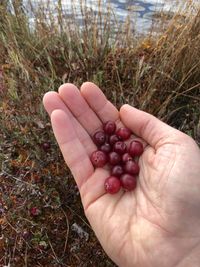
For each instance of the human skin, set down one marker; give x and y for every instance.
(157, 224)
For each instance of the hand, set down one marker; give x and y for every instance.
(156, 225)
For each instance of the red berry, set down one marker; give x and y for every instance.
(124, 133)
(117, 171)
(135, 148)
(131, 167)
(34, 211)
(112, 185)
(106, 148)
(119, 147)
(26, 234)
(126, 157)
(128, 182)
(98, 158)
(113, 139)
(46, 146)
(99, 138)
(109, 127)
(114, 158)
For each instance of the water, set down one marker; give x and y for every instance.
(139, 12)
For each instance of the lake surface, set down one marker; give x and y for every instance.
(139, 11)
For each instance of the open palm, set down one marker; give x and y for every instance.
(158, 224)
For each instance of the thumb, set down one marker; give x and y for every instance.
(145, 125)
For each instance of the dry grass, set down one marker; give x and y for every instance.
(158, 73)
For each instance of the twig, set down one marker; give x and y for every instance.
(55, 256)
(67, 235)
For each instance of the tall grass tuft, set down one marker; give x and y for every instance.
(144, 70)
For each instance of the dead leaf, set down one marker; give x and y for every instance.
(40, 124)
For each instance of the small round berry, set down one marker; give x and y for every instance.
(128, 182)
(112, 185)
(99, 138)
(113, 139)
(131, 167)
(114, 158)
(120, 147)
(46, 146)
(126, 157)
(117, 171)
(109, 127)
(124, 133)
(135, 148)
(98, 158)
(26, 234)
(34, 211)
(106, 148)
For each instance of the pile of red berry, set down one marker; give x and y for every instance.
(113, 149)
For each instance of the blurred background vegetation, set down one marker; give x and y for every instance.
(41, 218)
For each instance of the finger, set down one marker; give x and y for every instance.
(98, 102)
(72, 149)
(104, 109)
(79, 107)
(146, 126)
(52, 101)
